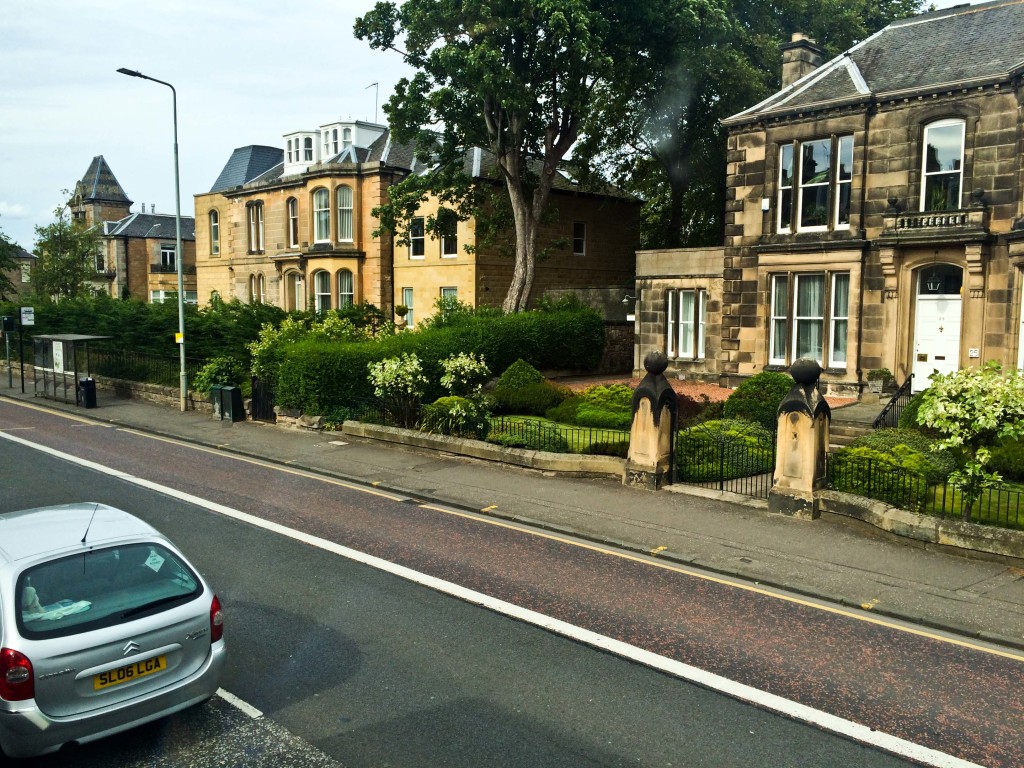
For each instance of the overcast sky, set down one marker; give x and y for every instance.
(245, 72)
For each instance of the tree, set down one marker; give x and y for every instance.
(711, 59)
(8, 252)
(516, 77)
(973, 408)
(67, 251)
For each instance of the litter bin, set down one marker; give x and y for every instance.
(215, 400)
(87, 392)
(231, 404)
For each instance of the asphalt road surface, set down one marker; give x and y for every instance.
(353, 664)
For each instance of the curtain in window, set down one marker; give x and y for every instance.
(345, 214)
(321, 215)
(322, 287)
(810, 306)
(780, 310)
(670, 324)
(840, 313)
(345, 292)
(686, 328)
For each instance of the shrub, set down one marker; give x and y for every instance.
(758, 399)
(519, 374)
(905, 448)
(1008, 459)
(464, 374)
(565, 411)
(603, 407)
(724, 449)
(222, 370)
(908, 418)
(528, 435)
(529, 399)
(455, 416)
(399, 382)
(618, 448)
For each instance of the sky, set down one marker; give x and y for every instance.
(245, 73)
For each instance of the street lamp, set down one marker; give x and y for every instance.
(177, 228)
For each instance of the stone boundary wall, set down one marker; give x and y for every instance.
(945, 532)
(572, 464)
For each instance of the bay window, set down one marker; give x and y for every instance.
(293, 223)
(346, 292)
(345, 214)
(321, 216)
(322, 290)
(254, 213)
(687, 317)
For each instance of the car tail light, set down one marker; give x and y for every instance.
(17, 682)
(216, 620)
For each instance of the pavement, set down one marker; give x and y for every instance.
(835, 559)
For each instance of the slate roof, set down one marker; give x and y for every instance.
(99, 184)
(241, 171)
(245, 164)
(930, 52)
(154, 225)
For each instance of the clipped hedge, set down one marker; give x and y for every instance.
(318, 377)
(758, 398)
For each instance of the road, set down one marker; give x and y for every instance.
(359, 666)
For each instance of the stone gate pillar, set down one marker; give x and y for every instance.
(801, 443)
(652, 435)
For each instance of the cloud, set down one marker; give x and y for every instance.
(13, 210)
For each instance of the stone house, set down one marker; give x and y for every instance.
(20, 276)
(875, 211)
(138, 255)
(295, 227)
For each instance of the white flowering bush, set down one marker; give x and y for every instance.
(456, 416)
(972, 409)
(399, 384)
(266, 350)
(464, 374)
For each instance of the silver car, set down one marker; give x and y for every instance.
(104, 626)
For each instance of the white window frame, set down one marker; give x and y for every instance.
(843, 182)
(417, 239)
(791, 190)
(307, 149)
(346, 138)
(345, 208)
(327, 144)
(346, 288)
(214, 233)
(322, 290)
(839, 315)
(261, 288)
(321, 215)
(407, 298)
(778, 340)
(786, 154)
(334, 140)
(579, 238)
(168, 256)
(293, 222)
(925, 174)
(449, 292)
(252, 288)
(254, 212)
(805, 186)
(799, 319)
(685, 330)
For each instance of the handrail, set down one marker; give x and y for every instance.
(890, 415)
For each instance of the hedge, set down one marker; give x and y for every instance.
(319, 377)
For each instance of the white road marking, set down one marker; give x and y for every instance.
(244, 706)
(759, 698)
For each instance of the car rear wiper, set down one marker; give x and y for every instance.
(148, 606)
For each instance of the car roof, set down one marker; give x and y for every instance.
(33, 532)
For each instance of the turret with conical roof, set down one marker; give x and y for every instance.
(98, 196)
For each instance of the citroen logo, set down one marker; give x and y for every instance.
(131, 647)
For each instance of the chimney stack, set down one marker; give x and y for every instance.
(800, 57)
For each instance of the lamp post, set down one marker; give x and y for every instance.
(177, 228)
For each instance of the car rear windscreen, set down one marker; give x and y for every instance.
(100, 588)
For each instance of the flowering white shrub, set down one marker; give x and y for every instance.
(464, 374)
(399, 383)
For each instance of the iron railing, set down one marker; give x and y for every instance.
(136, 366)
(736, 459)
(903, 488)
(543, 436)
(890, 415)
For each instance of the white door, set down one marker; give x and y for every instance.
(936, 337)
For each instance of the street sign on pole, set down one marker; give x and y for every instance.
(28, 315)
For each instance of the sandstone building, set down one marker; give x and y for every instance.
(875, 214)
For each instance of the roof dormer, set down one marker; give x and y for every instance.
(301, 150)
(338, 137)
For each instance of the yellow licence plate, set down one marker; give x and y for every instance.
(131, 672)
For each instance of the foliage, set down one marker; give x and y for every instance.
(879, 374)
(367, 318)
(691, 411)
(1008, 459)
(973, 408)
(519, 374)
(464, 374)
(534, 399)
(704, 61)
(8, 251)
(905, 448)
(456, 416)
(606, 407)
(724, 449)
(267, 349)
(529, 435)
(618, 448)
(399, 383)
(67, 251)
(758, 398)
(518, 79)
(908, 417)
(225, 371)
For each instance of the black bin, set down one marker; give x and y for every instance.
(231, 404)
(87, 392)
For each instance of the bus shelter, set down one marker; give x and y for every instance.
(62, 369)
